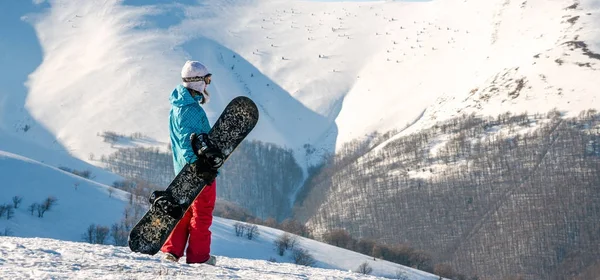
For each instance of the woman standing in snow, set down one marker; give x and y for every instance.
(187, 117)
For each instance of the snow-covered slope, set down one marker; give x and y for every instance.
(82, 202)
(323, 73)
(38, 258)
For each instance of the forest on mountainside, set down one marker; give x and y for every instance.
(258, 176)
(515, 195)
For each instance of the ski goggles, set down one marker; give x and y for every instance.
(197, 78)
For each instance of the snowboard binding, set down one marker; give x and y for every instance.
(156, 194)
(166, 204)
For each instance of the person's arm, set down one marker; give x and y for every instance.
(187, 123)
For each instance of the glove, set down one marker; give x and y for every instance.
(205, 149)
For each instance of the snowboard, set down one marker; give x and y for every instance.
(237, 120)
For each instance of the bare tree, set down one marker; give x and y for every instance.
(364, 268)
(422, 261)
(131, 215)
(17, 201)
(32, 207)
(285, 242)
(280, 246)
(40, 210)
(119, 234)
(88, 236)
(293, 242)
(302, 257)
(295, 227)
(338, 237)
(251, 231)
(365, 246)
(10, 212)
(100, 234)
(270, 222)
(46, 205)
(96, 234)
(239, 228)
(49, 203)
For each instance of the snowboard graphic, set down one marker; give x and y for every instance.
(235, 123)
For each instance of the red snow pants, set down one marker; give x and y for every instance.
(194, 228)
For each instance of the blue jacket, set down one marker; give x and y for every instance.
(186, 117)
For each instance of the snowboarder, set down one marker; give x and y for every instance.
(188, 117)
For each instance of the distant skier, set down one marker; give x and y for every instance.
(187, 117)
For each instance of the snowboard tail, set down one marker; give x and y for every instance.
(150, 233)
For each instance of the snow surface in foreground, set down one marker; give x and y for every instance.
(38, 258)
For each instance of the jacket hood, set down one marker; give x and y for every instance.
(181, 97)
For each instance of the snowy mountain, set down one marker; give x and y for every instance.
(324, 73)
(80, 203)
